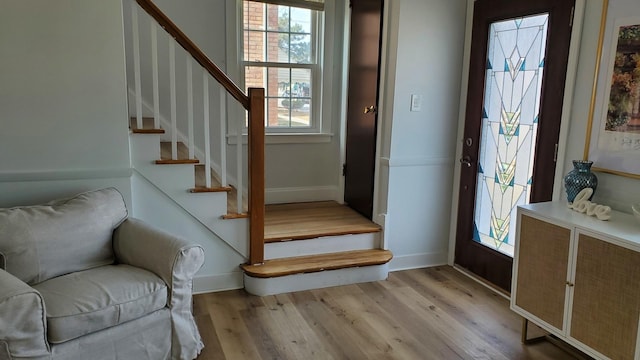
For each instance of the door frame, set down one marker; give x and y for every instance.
(384, 106)
(562, 163)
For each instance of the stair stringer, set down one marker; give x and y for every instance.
(175, 180)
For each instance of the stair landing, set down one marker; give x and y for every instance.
(310, 220)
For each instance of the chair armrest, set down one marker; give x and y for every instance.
(175, 261)
(23, 324)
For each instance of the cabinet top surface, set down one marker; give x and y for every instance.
(622, 226)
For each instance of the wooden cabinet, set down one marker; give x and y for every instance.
(579, 278)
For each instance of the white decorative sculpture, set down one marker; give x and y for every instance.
(582, 205)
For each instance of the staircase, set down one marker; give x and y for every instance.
(289, 247)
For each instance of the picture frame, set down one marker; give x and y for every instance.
(613, 132)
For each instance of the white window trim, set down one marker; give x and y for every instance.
(319, 133)
(286, 138)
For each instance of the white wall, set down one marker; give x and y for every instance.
(62, 105)
(63, 126)
(425, 45)
(616, 191)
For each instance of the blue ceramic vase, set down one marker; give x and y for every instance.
(580, 178)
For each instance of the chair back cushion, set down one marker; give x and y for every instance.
(44, 241)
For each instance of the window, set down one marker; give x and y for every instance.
(281, 54)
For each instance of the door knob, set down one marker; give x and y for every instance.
(466, 160)
(370, 109)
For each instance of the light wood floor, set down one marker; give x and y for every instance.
(434, 313)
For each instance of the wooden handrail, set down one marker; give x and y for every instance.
(195, 51)
(254, 104)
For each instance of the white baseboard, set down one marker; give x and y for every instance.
(220, 282)
(416, 261)
(300, 194)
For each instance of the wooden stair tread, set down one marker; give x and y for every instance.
(301, 221)
(147, 126)
(204, 189)
(233, 215)
(315, 263)
(183, 154)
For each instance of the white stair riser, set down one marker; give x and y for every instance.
(316, 280)
(145, 148)
(321, 245)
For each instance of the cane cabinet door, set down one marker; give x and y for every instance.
(606, 298)
(542, 263)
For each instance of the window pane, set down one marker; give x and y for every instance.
(254, 46)
(300, 49)
(253, 18)
(278, 114)
(300, 20)
(255, 77)
(277, 47)
(301, 98)
(301, 80)
(301, 113)
(513, 83)
(278, 18)
(279, 80)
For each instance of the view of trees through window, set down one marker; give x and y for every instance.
(279, 55)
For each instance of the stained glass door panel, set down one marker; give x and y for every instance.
(511, 108)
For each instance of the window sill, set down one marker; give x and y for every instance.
(284, 138)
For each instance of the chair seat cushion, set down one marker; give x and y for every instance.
(87, 301)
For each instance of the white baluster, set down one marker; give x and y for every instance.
(240, 125)
(192, 146)
(172, 85)
(223, 136)
(136, 63)
(207, 140)
(154, 65)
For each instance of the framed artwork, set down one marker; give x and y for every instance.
(613, 136)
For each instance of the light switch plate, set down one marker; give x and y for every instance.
(416, 102)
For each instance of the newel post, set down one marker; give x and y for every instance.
(256, 175)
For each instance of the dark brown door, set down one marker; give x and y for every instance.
(517, 75)
(362, 100)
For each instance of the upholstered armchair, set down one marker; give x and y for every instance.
(81, 280)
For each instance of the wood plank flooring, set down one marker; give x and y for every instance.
(309, 220)
(435, 313)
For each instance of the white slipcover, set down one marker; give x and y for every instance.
(80, 280)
